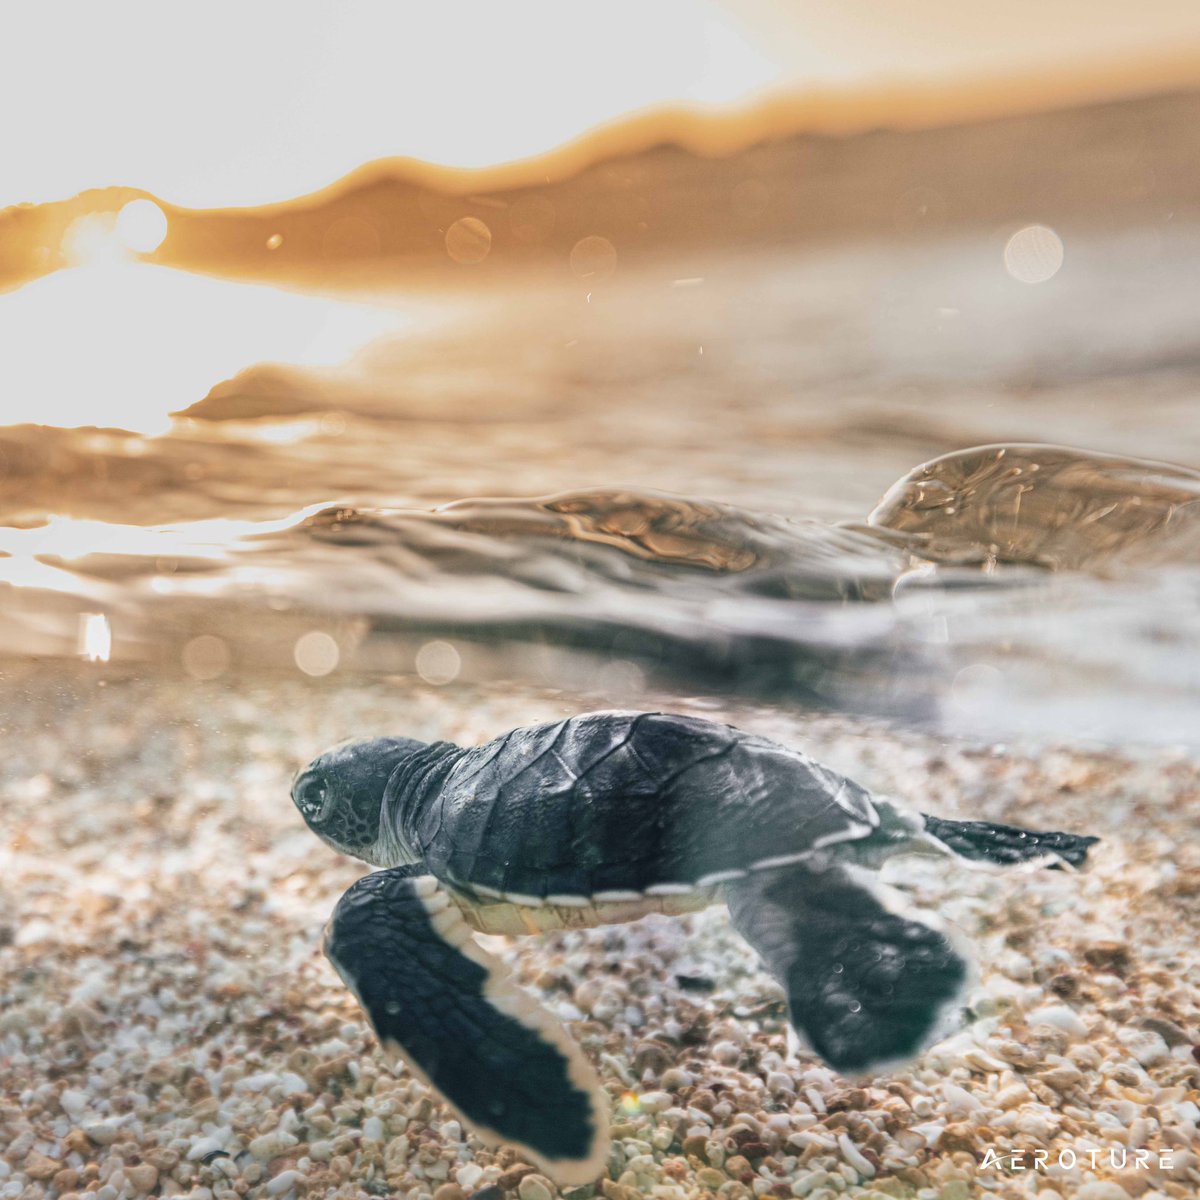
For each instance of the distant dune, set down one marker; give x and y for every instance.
(395, 222)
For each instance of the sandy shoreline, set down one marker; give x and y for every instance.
(169, 1026)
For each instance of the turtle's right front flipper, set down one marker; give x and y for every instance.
(452, 1013)
(869, 981)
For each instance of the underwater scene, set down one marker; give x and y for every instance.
(644, 647)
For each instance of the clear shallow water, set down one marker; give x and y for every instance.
(714, 449)
(1001, 590)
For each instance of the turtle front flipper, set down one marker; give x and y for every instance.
(869, 982)
(451, 1011)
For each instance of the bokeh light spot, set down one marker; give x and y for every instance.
(976, 683)
(316, 653)
(468, 240)
(593, 258)
(206, 657)
(1033, 254)
(438, 663)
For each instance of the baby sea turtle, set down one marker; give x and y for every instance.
(603, 818)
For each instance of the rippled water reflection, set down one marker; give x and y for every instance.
(1002, 588)
(1049, 506)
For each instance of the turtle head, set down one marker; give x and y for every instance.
(340, 793)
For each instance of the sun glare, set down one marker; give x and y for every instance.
(92, 241)
(95, 637)
(125, 343)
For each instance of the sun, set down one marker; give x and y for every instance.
(97, 238)
(141, 226)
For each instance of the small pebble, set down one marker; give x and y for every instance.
(1148, 1047)
(675, 1078)
(852, 1155)
(201, 1148)
(1101, 1189)
(535, 1187)
(143, 1178)
(1058, 1016)
(469, 1175)
(40, 1166)
(103, 1133)
(727, 1052)
(266, 1147)
(654, 1102)
(513, 1175)
(283, 1182)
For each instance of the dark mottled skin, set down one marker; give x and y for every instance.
(1006, 845)
(340, 794)
(623, 802)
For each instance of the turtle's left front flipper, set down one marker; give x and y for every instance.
(450, 1010)
(869, 981)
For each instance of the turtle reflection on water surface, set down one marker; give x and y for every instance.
(606, 817)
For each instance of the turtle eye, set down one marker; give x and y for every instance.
(310, 795)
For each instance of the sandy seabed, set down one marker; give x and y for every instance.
(169, 1026)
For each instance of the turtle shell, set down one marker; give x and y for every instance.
(611, 805)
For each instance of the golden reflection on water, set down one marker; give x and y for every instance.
(123, 344)
(47, 555)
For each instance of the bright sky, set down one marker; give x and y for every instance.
(242, 103)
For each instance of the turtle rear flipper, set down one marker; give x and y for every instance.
(1008, 845)
(868, 981)
(453, 1014)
